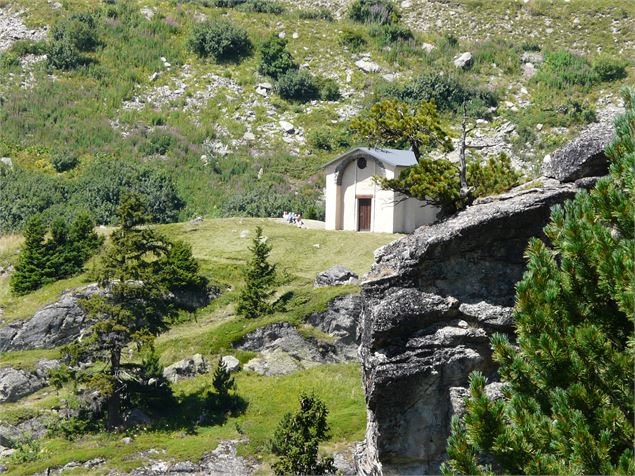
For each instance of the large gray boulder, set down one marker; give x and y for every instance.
(54, 325)
(429, 306)
(340, 319)
(16, 384)
(335, 276)
(582, 157)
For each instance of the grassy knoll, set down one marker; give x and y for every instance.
(217, 245)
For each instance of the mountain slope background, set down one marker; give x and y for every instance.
(205, 138)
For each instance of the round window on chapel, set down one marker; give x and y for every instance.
(361, 163)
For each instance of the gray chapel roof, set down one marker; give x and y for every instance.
(394, 157)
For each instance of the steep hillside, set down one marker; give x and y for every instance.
(145, 99)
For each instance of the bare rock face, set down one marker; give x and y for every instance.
(335, 276)
(429, 306)
(53, 325)
(16, 384)
(186, 368)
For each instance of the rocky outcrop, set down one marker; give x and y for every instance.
(335, 276)
(430, 303)
(16, 384)
(582, 157)
(186, 368)
(64, 320)
(53, 325)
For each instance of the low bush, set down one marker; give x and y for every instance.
(563, 69)
(63, 161)
(352, 40)
(382, 12)
(328, 139)
(221, 40)
(266, 201)
(227, 3)
(64, 55)
(28, 47)
(316, 14)
(298, 86)
(447, 91)
(262, 6)
(275, 59)
(497, 52)
(329, 90)
(80, 30)
(391, 33)
(608, 68)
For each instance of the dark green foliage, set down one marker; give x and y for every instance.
(382, 12)
(157, 144)
(568, 407)
(63, 162)
(352, 40)
(260, 279)
(262, 201)
(316, 14)
(329, 89)
(222, 382)
(179, 270)
(227, 3)
(297, 438)
(608, 68)
(134, 311)
(62, 255)
(437, 181)
(28, 47)
(328, 138)
(298, 86)
(391, 33)
(497, 52)
(221, 40)
(563, 69)
(447, 91)
(262, 6)
(275, 59)
(64, 55)
(28, 273)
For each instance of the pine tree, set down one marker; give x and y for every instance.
(135, 309)
(222, 382)
(260, 278)
(297, 439)
(29, 271)
(569, 397)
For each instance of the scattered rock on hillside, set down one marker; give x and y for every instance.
(232, 364)
(6, 161)
(464, 60)
(582, 157)
(368, 66)
(33, 428)
(186, 368)
(533, 57)
(12, 29)
(335, 276)
(341, 318)
(44, 367)
(16, 384)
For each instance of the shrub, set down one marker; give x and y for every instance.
(63, 162)
(262, 6)
(221, 40)
(562, 69)
(568, 374)
(63, 54)
(447, 91)
(227, 3)
(498, 52)
(608, 68)
(373, 11)
(328, 139)
(275, 58)
(298, 86)
(80, 30)
(352, 40)
(391, 33)
(297, 439)
(329, 90)
(157, 144)
(316, 14)
(263, 201)
(28, 47)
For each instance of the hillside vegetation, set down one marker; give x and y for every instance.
(135, 105)
(221, 251)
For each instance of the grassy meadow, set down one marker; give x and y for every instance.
(299, 255)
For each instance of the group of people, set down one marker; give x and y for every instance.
(293, 219)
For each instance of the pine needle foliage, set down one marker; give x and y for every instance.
(297, 438)
(222, 381)
(569, 397)
(260, 279)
